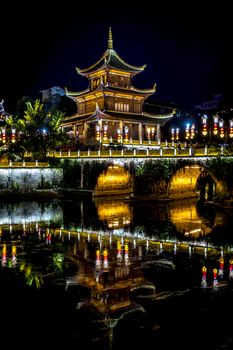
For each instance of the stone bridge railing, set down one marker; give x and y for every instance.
(146, 152)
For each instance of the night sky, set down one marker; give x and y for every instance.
(187, 49)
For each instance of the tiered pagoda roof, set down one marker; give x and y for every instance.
(111, 60)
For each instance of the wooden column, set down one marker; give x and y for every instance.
(85, 132)
(158, 134)
(140, 133)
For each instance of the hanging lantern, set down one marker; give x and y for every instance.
(13, 130)
(97, 133)
(215, 125)
(177, 134)
(119, 135)
(3, 135)
(148, 130)
(192, 132)
(221, 126)
(105, 138)
(126, 134)
(204, 125)
(152, 133)
(231, 128)
(173, 134)
(187, 131)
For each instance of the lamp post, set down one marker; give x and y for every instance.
(221, 127)
(231, 129)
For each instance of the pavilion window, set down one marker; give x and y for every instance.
(122, 107)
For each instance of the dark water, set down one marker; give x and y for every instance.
(109, 274)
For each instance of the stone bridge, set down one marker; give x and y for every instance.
(156, 177)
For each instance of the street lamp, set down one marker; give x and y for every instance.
(204, 125)
(192, 132)
(105, 137)
(221, 126)
(177, 134)
(215, 124)
(187, 132)
(13, 131)
(231, 128)
(173, 134)
(126, 134)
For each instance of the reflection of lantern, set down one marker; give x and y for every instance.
(221, 267)
(231, 268)
(221, 123)
(105, 254)
(126, 253)
(215, 125)
(119, 251)
(203, 280)
(98, 261)
(204, 125)
(13, 255)
(215, 274)
(4, 255)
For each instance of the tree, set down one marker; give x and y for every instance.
(37, 131)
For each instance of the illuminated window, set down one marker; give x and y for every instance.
(120, 106)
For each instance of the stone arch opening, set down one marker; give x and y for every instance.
(183, 182)
(194, 181)
(115, 179)
(206, 185)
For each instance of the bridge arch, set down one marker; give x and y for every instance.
(115, 179)
(190, 180)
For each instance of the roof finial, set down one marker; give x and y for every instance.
(110, 41)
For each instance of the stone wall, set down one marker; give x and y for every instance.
(28, 179)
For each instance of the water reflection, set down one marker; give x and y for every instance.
(112, 264)
(185, 217)
(117, 214)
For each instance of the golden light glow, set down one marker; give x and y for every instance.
(187, 221)
(119, 72)
(115, 178)
(116, 214)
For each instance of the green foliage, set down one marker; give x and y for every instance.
(37, 131)
(159, 169)
(222, 168)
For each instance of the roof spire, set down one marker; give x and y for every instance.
(110, 41)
